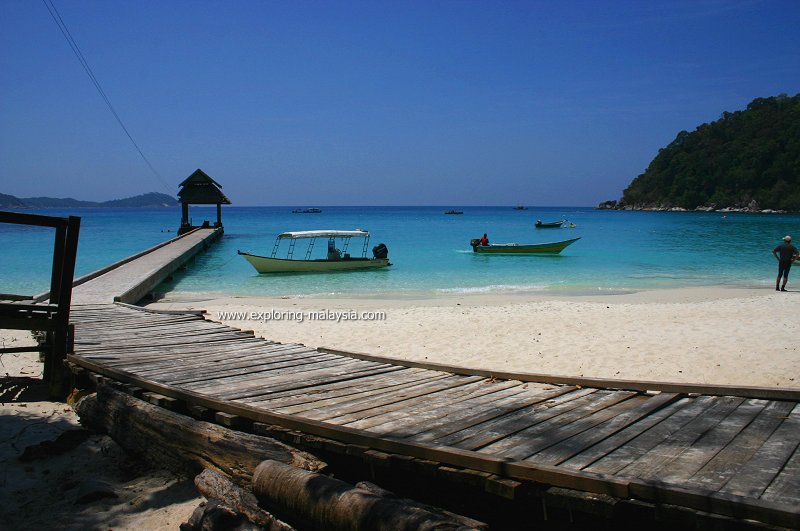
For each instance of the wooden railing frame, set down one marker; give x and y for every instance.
(55, 316)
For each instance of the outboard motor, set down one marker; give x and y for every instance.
(380, 251)
(475, 242)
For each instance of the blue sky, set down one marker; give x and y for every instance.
(376, 102)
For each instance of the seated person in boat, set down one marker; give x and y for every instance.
(484, 240)
(334, 254)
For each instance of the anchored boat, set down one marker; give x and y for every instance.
(335, 259)
(521, 248)
(549, 224)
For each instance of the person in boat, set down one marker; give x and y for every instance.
(785, 254)
(484, 240)
(333, 253)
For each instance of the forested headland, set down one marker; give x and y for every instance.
(747, 160)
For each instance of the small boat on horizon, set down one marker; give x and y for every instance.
(335, 260)
(521, 248)
(549, 224)
(454, 212)
(307, 211)
(520, 207)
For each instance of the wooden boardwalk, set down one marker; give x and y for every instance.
(716, 450)
(132, 279)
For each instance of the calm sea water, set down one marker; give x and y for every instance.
(430, 253)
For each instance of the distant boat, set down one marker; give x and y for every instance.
(306, 211)
(521, 248)
(454, 212)
(520, 207)
(335, 259)
(549, 224)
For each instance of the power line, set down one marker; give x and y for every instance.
(51, 8)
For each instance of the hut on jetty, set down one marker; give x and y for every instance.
(200, 189)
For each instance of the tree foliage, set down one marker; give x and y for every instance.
(745, 156)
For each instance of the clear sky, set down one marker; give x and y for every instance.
(377, 102)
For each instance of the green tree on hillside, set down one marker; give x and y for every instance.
(750, 155)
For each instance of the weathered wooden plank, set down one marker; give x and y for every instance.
(304, 380)
(145, 362)
(733, 457)
(544, 434)
(710, 443)
(346, 391)
(785, 488)
(235, 367)
(466, 419)
(623, 437)
(669, 450)
(618, 459)
(414, 420)
(499, 427)
(259, 379)
(412, 410)
(580, 442)
(759, 472)
(343, 414)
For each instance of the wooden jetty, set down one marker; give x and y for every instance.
(723, 452)
(131, 279)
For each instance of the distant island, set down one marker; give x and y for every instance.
(149, 200)
(747, 161)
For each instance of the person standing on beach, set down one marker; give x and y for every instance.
(785, 254)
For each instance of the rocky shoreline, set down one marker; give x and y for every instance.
(751, 208)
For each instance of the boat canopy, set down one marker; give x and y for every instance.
(324, 234)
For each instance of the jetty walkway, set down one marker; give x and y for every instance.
(728, 455)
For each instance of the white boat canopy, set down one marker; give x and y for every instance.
(324, 234)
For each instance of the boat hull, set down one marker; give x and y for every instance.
(525, 248)
(550, 225)
(264, 264)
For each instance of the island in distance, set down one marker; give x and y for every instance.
(149, 200)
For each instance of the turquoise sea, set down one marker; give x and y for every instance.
(618, 251)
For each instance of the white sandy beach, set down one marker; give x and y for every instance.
(56, 491)
(714, 335)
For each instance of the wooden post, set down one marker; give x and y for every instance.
(62, 339)
(219, 215)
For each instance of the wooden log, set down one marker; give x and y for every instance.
(180, 442)
(323, 503)
(215, 486)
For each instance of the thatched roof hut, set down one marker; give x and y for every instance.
(200, 189)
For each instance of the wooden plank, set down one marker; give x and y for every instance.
(342, 414)
(292, 404)
(306, 380)
(669, 450)
(235, 365)
(544, 434)
(623, 437)
(414, 411)
(785, 488)
(621, 457)
(731, 458)
(582, 441)
(759, 472)
(504, 425)
(267, 377)
(415, 420)
(710, 443)
(460, 421)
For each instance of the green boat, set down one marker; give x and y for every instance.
(521, 248)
